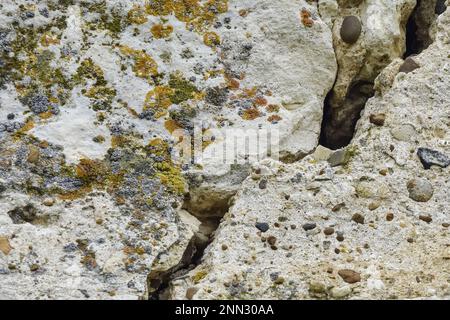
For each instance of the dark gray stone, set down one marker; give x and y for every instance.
(351, 29)
(262, 226)
(430, 157)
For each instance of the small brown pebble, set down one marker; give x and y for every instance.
(340, 236)
(190, 292)
(390, 216)
(330, 270)
(383, 172)
(409, 65)
(366, 246)
(274, 247)
(349, 276)
(293, 226)
(224, 247)
(427, 219)
(377, 119)
(338, 207)
(5, 247)
(446, 225)
(410, 240)
(99, 221)
(337, 251)
(358, 218)
(272, 240)
(328, 231)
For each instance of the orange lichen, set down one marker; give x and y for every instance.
(251, 114)
(261, 101)
(273, 108)
(274, 118)
(306, 18)
(160, 31)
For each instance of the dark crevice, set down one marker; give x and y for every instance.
(418, 37)
(159, 282)
(338, 125)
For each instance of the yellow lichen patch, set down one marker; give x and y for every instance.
(159, 100)
(199, 276)
(48, 39)
(171, 125)
(159, 147)
(27, 127)
(137, 15)
(5, 247)
(91, 170)
(171, 177)
(160, 31)
(144, 65)
(197, 15)
(45, 115)
(69, 196)
(159, 7)
(89, 70)
(251, 114)
(168, 173)
(211, 39)
(101, 93)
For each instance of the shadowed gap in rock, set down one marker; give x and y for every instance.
(338, 124)
(159, 282)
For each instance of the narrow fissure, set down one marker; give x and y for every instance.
(418, 28)
(338, 124)
(159, 282)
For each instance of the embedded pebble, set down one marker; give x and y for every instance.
(409, 65)
(349, 276)
(420, 189)
(429, 157)
(262, 226)
(358, 218)
(351, 29)
(378, 119)
(309, 226)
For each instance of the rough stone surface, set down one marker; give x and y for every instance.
(95, 205)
